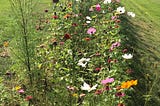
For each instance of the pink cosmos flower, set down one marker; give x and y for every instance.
(107, 80)
(21, 91)
(91, 30)
(114, 45)
(114, 17)
(98, 7)
(118, 1)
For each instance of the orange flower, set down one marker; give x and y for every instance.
(125, 85)
(134, 82)
(67, 16)
(128, 84)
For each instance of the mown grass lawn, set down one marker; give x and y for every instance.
(143, 32)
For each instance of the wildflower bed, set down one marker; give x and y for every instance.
(76, 55)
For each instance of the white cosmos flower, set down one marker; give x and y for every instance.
(83, 62)
(107, 1)
(131, 14)
(87, 87)
(88, 22)
(120, 10)
(88, 18)
(127, 56)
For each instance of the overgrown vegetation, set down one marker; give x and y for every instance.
(74, 53)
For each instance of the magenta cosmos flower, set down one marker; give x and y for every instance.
(107, 80)
(91, 30)
(114, 45)
(98, 7)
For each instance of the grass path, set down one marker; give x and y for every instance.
(144, 35)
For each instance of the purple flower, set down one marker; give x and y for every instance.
(91, 30)
(98, 7)
(107, 80)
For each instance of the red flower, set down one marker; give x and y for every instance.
(67, 36)
(109, 60)
(98, 69)
(87, 39)
(107, 88)
(98, 92)
(28, 98)
(116, 26)
(118, 21)
(121, 104)
(120, 94)
(74, 24)
(55, 17)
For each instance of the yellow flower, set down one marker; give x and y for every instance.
(17, 88)
(75, 95)
(5, 44)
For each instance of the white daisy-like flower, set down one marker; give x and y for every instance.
(131, 14)
(87, 87)
(120, 10)
(88, 18)
(83, 62)
(127, 56)
(88, 22)
(107, 1)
